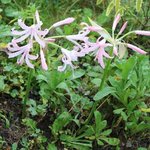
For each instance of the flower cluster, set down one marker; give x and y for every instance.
(104, 42)
(24, 43)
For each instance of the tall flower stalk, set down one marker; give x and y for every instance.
(23, 43)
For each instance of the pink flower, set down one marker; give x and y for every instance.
(80, 37)
(116, 21)
(140, 32)
(68, 57)
(63, 22)
(29, 34)
(43, 61)
(133, 47)
(24, 51)
(115, 41)
(99, 47)
(33, 32)
(123, 28)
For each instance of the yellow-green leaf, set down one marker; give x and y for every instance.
(98, 2)
(145, 109)
(117, 5)
(138, 5)
(110, 7)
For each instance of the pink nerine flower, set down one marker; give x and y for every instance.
(123, 28)
(43, 61)
(140, 32)
(63, 22)
(98, 48)
(133, 47)
(116, 42)
(116, 21)
(82, 37)
(24, 51)
(67, 58)
(32, 32)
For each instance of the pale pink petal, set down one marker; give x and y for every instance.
(62, 68)
(37, 38)
(140, 32)
(106, 55)
(12, 55)
(21, 60)
(28, 62)
(74, 42)
(12, 47)
(43, 61)
(22, 25)
(134, 48)
(100, 58)
(63, 22)
(116, 21)
(22, 38)
(42, 33)
(33, 57)
(123, 28)
(95, 29)
(115, 50)
(49, 40)
(15, 32)
(38, 18)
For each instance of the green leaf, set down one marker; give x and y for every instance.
(11, 12)
(106, 132)
(6, 1)
(96, 81)
(139, 5)
(51, 147)
(98, 2)
(62, 120)
(98, 118)
(2, 84)
(104, 92)
(142, 148)
(132, 105)
(110, 7)
(127, 67)
(117, 5)
(118, 111)
(14, 146)
(78, 74)
(100, 142)
(111, 141)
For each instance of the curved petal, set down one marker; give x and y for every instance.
(28, 62)
(37, 38)
(22, 38)
(135, 48)
(43, 61)
(22, 25)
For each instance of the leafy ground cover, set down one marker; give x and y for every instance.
(60, 110)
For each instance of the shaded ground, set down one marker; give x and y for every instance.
(11, 108)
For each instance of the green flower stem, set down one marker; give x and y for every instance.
(125, 35)
(59, 36)
(27, 92)
(105, 75)
(55, 45)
